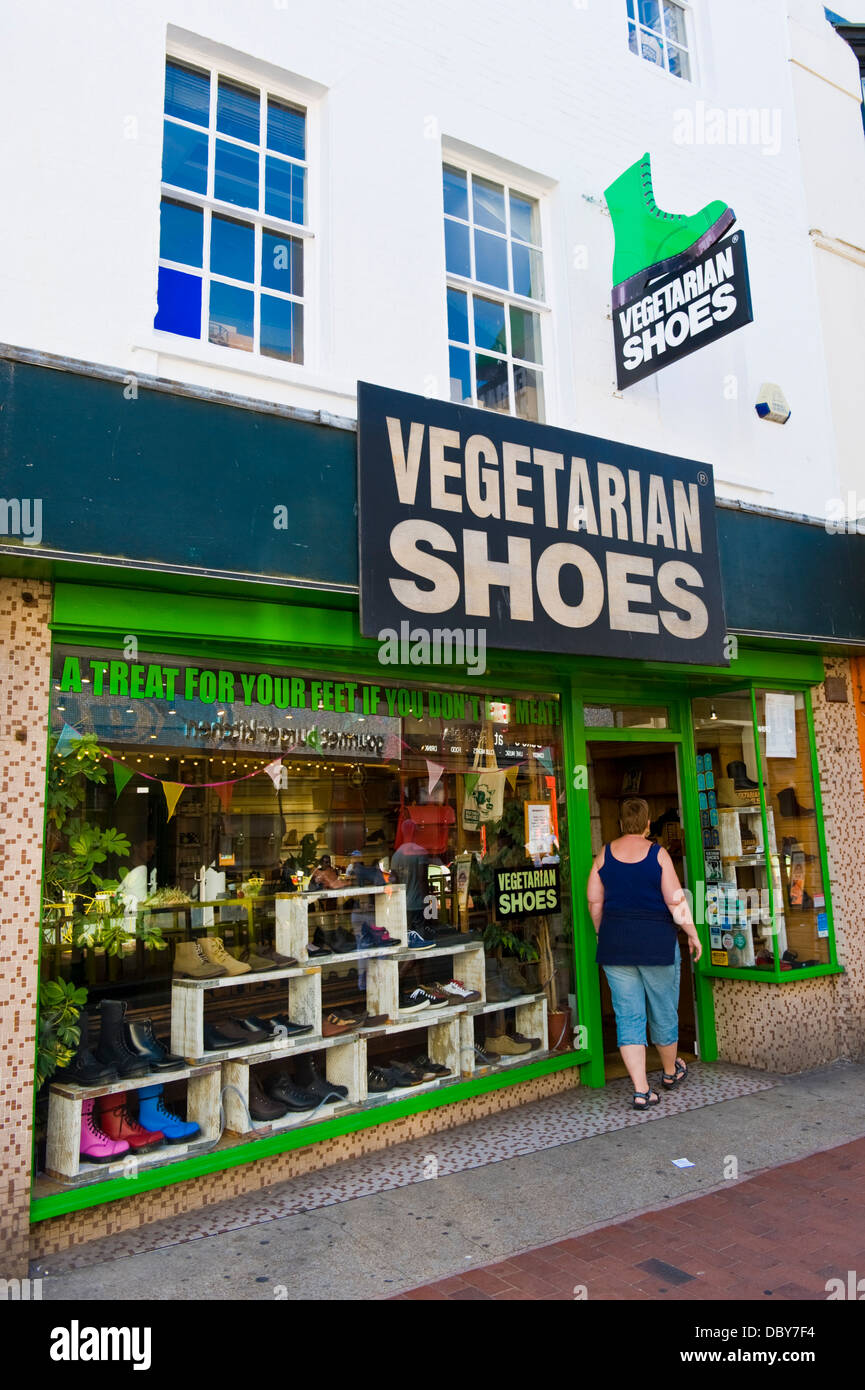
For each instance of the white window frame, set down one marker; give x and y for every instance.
(522, 187)
(240, 359)
(689, 47)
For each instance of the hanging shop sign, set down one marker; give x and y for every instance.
(525, 891)
(680, 313)
(537, 538)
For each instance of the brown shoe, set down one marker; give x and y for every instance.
(213, 948)
(333, 1023)
(506, 1046)
(191, 964)
(261, 1105)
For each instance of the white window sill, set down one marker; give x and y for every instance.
(244, 364)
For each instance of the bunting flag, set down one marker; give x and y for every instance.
(67, 740)
(434, 772)
(225, 791)
(122, 774)
(173, 793)
(274, 772)
(545, 759)
(512, 774)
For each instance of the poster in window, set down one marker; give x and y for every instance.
(780, 725)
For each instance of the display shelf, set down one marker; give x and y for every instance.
(188, 997)
(130, 1165)
(70, 1091)
(252, 977)
(495, 1006)
(293, 922)
(437, 952)
(345, 1065)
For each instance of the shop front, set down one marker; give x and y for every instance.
(315, 893)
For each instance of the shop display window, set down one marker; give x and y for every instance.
(765, 901)
(285, 894)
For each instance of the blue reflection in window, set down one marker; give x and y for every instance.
(236, 178)
(232, 248)
(181, 232)
(460, 376)
(457, 248)
(492, 380)
(238, 111)
(184, 157)
(490, 324)
(286, 128)
(281, 328)
(282, 263)
(187, 93)
(456, 197)
(284, 187)
(528, 279)
(491, 259)
(458, 316)
(231, 316)
(488, 200)
(178, 297)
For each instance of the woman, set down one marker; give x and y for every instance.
(636, 904)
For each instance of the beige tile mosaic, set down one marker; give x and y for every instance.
(25, 644)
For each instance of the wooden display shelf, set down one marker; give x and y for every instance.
(130, 1164)
(70, 1091)
(495, 1006)
(303, 1004)
(345, 1065)
(251, 977)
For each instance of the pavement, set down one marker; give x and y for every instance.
(776, 1171)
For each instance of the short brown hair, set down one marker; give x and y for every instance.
(634, 815)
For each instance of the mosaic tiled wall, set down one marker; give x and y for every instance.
(25, 646)
(792, 1027)
(48, 1237)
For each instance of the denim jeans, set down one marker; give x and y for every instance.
(641, 990)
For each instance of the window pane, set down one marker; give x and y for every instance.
(457, 248)
(456, 196)
(460, 376)
(492, 379)
(232, 248)
(650, 14)
(490, 324)
(626, 717)
(630, 9)
(179, 300)
(284, 190)
(524, 219)
(286, 128)
(281, 328)
(236, 178)
(488, 200)
(525, 334)
(800, 903)
(238, 111)
(491, 259)
(458, 316)
(231, 311)
(187, 94)
(651, 48)
(528, 393)
(632, 39)
(282, 263)
(528, 271)
(680, 64)
(184, 157)
(181, 232)
(674, 22)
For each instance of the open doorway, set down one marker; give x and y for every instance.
(648, 770)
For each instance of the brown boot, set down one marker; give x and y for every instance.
(191, 964)
(213, 949)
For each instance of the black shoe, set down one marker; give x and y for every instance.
(343, 941)
(319, 946)
(741, 780)
(788, 802)
(378, 1081)
(246, 1030)
(141, 1039)
(430, 1068)
(217, 1041)
(84, 1069)
(307, 1075)
(284, 1027)
(284, 1089)
(113, 1050)
(402, 1074)
(486, 1059)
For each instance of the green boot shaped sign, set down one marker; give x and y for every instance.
(677, 286)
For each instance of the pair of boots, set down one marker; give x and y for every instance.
(125, 1049)
(109, 1130)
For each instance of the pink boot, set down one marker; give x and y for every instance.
(96, 1147)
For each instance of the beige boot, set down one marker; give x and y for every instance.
(215, 952)
(507, 1046)
(189, 963)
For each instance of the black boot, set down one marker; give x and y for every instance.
(143, 1042)
(306, 1074)
(113, 1049)
(741, 780)
(84, 1069)
(788, 801)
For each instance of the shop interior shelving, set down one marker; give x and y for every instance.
(755, 865)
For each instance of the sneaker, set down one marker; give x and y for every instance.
(484, 1057)
(412, 1001)
(506, 1046)
(374, 938)
(429, 1068)
(417, 941)
(457, 992)
(437, 999)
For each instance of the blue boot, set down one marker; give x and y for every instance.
(153, 1113)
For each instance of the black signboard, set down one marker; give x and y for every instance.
(527, 891)
(535, 538)
(683, 312)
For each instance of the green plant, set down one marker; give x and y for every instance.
(60, 1005)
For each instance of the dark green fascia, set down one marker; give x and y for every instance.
(184, 1170)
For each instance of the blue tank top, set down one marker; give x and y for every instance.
(637, 927)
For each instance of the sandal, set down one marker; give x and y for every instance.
(644, 1096)
(670, 1082)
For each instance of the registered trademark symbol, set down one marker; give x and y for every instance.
(702, 478)
(736, 236)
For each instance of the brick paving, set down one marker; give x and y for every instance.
(779, 1235)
